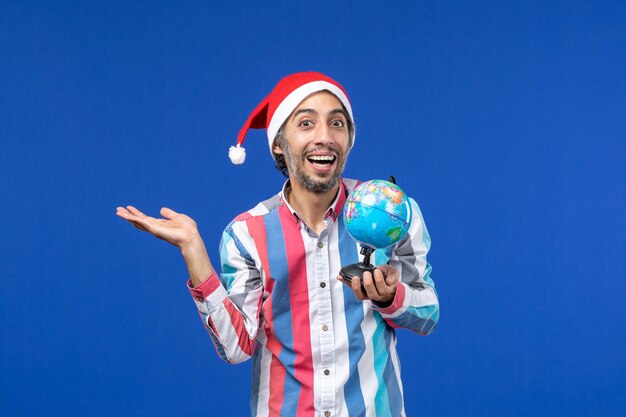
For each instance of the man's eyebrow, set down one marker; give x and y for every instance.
(332, 112)
(304, 111)
(339, 111)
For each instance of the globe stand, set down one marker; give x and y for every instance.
(356, 270)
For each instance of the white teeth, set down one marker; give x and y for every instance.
(322, 158)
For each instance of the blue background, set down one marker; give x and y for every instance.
(504, 120)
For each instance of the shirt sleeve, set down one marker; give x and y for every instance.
(415, 305)
(230, 306)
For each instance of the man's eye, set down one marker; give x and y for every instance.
(338, 123)
(305, 123)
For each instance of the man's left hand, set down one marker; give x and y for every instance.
(377, 287)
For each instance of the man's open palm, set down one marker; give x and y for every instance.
(175, 228)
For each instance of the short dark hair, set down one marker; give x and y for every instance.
(279, 160)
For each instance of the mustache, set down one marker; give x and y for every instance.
(332, 149)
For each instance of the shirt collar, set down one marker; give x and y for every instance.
(333, 211)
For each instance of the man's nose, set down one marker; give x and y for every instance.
(324, 135)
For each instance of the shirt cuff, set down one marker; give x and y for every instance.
(202, 291)
(397, 303)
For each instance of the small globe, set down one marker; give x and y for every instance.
(377, 214)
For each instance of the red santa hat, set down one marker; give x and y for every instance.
(272, 112)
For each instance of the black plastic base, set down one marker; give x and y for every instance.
(356, 270)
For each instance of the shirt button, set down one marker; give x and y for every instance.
(326, 372)
(324, 327)
(323, 285)
(320, 245)
(327, 413)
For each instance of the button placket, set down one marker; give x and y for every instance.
(326, 337)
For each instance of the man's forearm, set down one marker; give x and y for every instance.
(197, 261)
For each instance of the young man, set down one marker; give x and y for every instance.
(320, 346)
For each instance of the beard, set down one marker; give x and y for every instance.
(295, 167)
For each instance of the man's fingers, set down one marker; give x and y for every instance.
(391, 275)
(135, 211)
(356, 287)
(379, 286)
(384, 284)
(127, 215)
(140, 223)
(370, 286)
(379, 279)
(138, 226)
(168, 213)
(121, 212)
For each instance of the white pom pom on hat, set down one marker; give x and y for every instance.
(237, 154)
(271, 113)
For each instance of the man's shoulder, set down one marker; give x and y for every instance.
(350, 184)
(262, 209)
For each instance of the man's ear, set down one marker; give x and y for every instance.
(277, 149)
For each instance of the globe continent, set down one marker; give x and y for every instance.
(377, 214)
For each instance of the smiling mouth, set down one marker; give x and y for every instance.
(322, 160)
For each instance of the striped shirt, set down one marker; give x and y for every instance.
(316, 349)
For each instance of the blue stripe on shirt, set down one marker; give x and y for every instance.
(381, 356)
(422, 318)
(391, 381)
(354, 317)
(281, 309)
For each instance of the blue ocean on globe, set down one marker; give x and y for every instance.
(377, 214)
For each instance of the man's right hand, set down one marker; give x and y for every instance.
(178, 229)
(181, 231)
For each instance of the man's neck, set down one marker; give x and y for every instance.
(310, 206)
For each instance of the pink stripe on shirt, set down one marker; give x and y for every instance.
(299, 300)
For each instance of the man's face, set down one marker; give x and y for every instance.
(316, 143)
